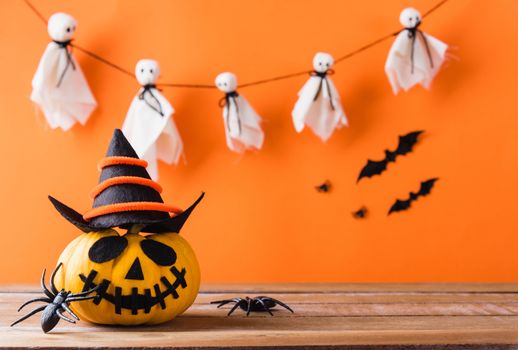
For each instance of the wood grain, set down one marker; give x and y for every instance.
(428, 316)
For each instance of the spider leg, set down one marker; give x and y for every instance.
(224, 302)
(63, 317)
(47, 300)
(278, 302)
(44, 287)
(249, 306)
(82, 294)
(264, 305)
(235, 307)
(41, 308)
(68, 300)
(52, 276)
(67, 309)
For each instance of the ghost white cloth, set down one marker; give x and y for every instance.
(405, 71)
(319, 107)
(150, 129)
(242, 124)
(60, 88)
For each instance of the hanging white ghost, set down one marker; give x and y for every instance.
(415, 57)
(319, 106)
(242, 123)
(149, 126)
(59, 86)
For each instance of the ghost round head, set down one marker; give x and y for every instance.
(226, 82)
(409, 17)
(147, 72)
(61, 27)
(322, 62)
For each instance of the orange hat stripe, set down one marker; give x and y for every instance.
(130, 206)
(108, 161)
(121, 180)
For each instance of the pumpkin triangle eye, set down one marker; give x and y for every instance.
(160, 253)
(107, 248)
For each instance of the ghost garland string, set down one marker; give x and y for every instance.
(318, 107)
(253, 83)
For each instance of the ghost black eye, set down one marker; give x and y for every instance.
(160, 253)
(142, 70)
(107, 248)
(151, 71)
(68, 30)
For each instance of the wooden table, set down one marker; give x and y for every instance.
(351, 316)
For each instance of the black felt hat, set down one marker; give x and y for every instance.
(126, 196)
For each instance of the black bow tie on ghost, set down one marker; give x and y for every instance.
(225, 101)
(153, 103)
(70, 62)
(412, 34)
(323, 80)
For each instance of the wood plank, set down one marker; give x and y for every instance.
(450, 317)
(197, 332)
(321, 307)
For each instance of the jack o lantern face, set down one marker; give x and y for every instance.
(109, 248)
(138, 276)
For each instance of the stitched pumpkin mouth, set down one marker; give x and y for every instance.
(136, 301)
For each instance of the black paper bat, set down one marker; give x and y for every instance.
(360, 213)
(426, 187)
(324, 187)
(406, 143)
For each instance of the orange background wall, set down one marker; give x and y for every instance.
(262, 219)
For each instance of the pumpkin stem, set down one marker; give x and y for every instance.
(136, 228)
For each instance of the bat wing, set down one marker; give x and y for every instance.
(407, 142)
(426, 187)
(400, 205)
(373, 168)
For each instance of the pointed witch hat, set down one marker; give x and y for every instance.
(126, 197)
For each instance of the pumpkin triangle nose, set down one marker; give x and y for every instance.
(135, 271)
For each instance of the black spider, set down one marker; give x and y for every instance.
(260, 303)
(57, 303)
